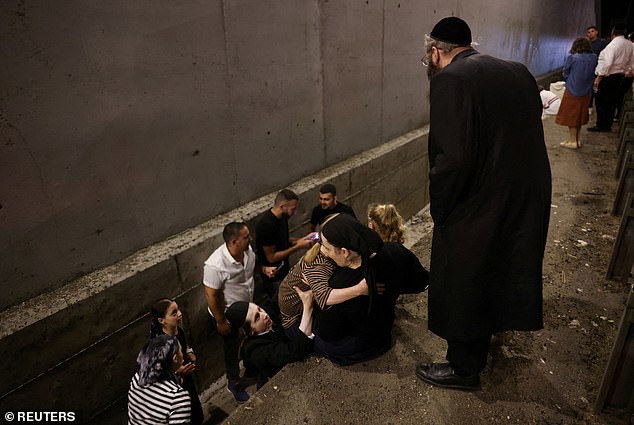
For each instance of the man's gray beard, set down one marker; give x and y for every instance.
(432, 70)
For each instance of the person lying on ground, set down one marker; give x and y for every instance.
(266, 348)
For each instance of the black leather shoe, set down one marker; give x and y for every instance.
(443, 375)
(599, 129)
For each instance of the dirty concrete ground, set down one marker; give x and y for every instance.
(546, 377)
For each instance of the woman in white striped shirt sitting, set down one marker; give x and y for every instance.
(155, 395)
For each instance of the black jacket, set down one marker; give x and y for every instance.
(490, 190)
(270, 352)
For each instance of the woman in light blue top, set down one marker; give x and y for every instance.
(579, 76)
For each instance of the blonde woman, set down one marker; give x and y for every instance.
(387, 222)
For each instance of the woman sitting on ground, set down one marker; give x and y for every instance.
(312, 272)
(387, 222)
(266, 348)
(361, 328)
(156, 395)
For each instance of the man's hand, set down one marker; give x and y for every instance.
(269, 271)
(597, 80)
(305, 242)
(224, 327)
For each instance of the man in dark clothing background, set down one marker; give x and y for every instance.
(596, 42)
(328, 204)
(274, 244)
(490, 190)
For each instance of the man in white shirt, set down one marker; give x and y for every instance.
(616, 62)
(228, 278)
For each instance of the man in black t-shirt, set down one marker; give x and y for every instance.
(328, 204)
(273, 243)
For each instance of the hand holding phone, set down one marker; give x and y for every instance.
(314, 236)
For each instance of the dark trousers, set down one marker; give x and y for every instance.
(468, 357)
(197, 409)
(626, 85)
(231, 347)
(271, 289)
(607, 99)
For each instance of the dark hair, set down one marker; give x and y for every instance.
(328, 188)
(237, 315)
(581, 45)
(619, 28)
(285, 195)
(157, 311)
(155, 359)
(232, 230)
(592, 27)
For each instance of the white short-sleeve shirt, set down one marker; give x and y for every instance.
(234, 279)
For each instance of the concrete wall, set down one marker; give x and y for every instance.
(122, 124)
(131, 133)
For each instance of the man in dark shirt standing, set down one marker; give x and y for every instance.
(328, 204)
(597, 42)
(273, 243)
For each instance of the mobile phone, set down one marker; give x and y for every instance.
(314, 236)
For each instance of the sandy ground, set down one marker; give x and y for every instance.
(546, 377)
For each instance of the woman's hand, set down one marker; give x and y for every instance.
(362, 287)
(186, 369)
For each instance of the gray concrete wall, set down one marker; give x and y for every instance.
(122, 123)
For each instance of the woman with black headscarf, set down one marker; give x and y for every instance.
(361, 328)
(156, 395)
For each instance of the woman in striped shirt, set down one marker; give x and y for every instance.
(156, 395)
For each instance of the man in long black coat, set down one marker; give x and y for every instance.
(490, 190)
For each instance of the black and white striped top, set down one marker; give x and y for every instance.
(163, 402)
